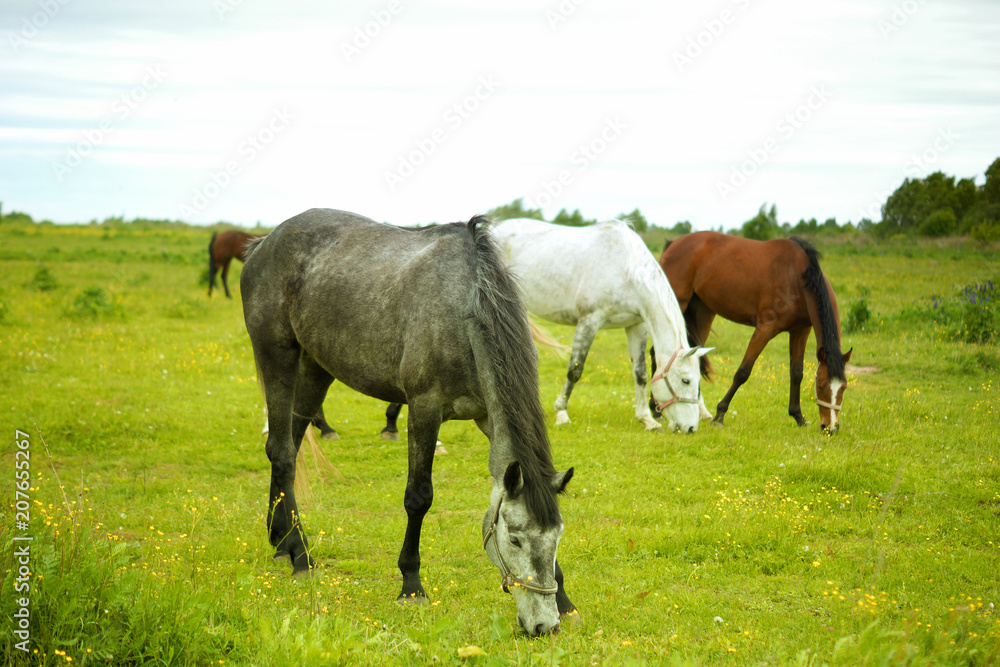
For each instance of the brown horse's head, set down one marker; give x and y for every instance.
(829, 393)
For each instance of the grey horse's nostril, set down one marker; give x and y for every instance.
(691, 429)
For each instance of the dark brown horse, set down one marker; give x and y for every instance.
(221, 250)
(772, 286)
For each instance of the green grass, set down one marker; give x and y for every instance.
(757, 543)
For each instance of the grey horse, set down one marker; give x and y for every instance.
(430, 318)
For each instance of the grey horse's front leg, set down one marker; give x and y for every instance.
(422, 426)
(586, 330)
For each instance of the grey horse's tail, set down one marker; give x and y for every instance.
(508, 367)
(815, 283)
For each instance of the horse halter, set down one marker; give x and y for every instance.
(674, 398)
(507, 578)
(828, 406)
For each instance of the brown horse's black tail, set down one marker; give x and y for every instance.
(815, 284)
(694, 338)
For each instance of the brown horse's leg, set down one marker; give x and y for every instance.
(796, 351)
(225, 277)
(212, 270)
(758, 341)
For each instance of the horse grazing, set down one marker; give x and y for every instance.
(221, 250)
(772, 286)
(604, 277)
(430, 318)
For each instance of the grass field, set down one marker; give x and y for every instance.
(757, 543)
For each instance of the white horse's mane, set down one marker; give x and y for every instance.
(646, 274)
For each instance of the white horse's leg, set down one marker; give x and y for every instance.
(705, 414)
(586, 330)
(637, 336)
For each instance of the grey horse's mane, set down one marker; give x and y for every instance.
(503, 322)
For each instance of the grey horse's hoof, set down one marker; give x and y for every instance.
(331, 435)
(390, 435)
(414, 599)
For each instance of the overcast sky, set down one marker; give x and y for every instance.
(419, 111)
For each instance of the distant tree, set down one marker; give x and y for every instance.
(763, 226)
(17, 218)
(939, 223)
(574, 219)
(638, 220)
(991, 189)
(515, 209)
(910, 208)
(806, 226)
(681, 228)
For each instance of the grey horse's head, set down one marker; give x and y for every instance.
(523, 547)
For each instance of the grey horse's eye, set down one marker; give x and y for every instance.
(516, 542)
(686, 381)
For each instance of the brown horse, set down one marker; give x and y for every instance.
(221, 250)
(772, 286)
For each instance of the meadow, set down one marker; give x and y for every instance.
(757, 543)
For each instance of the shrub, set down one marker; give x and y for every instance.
(43, 280)
(92, 304)
(979, 317)
(859, 314)
(939, 223)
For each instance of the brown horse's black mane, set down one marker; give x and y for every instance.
(815, 283)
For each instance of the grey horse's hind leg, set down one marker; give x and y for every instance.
(311, 385)
(277, 364)
(423, 423)
(391, 431)
(586, 330)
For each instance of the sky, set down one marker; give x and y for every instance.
(410, 112)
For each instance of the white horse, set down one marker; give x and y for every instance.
(603, 277)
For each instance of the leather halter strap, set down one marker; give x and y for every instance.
(674, 398)
(828, 406)
(507, 578)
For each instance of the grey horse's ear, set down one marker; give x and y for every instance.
(512, 480)
(561, 479)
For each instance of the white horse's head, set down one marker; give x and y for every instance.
(676, 387)
(525, 551)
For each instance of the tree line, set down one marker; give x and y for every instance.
(934, 206)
